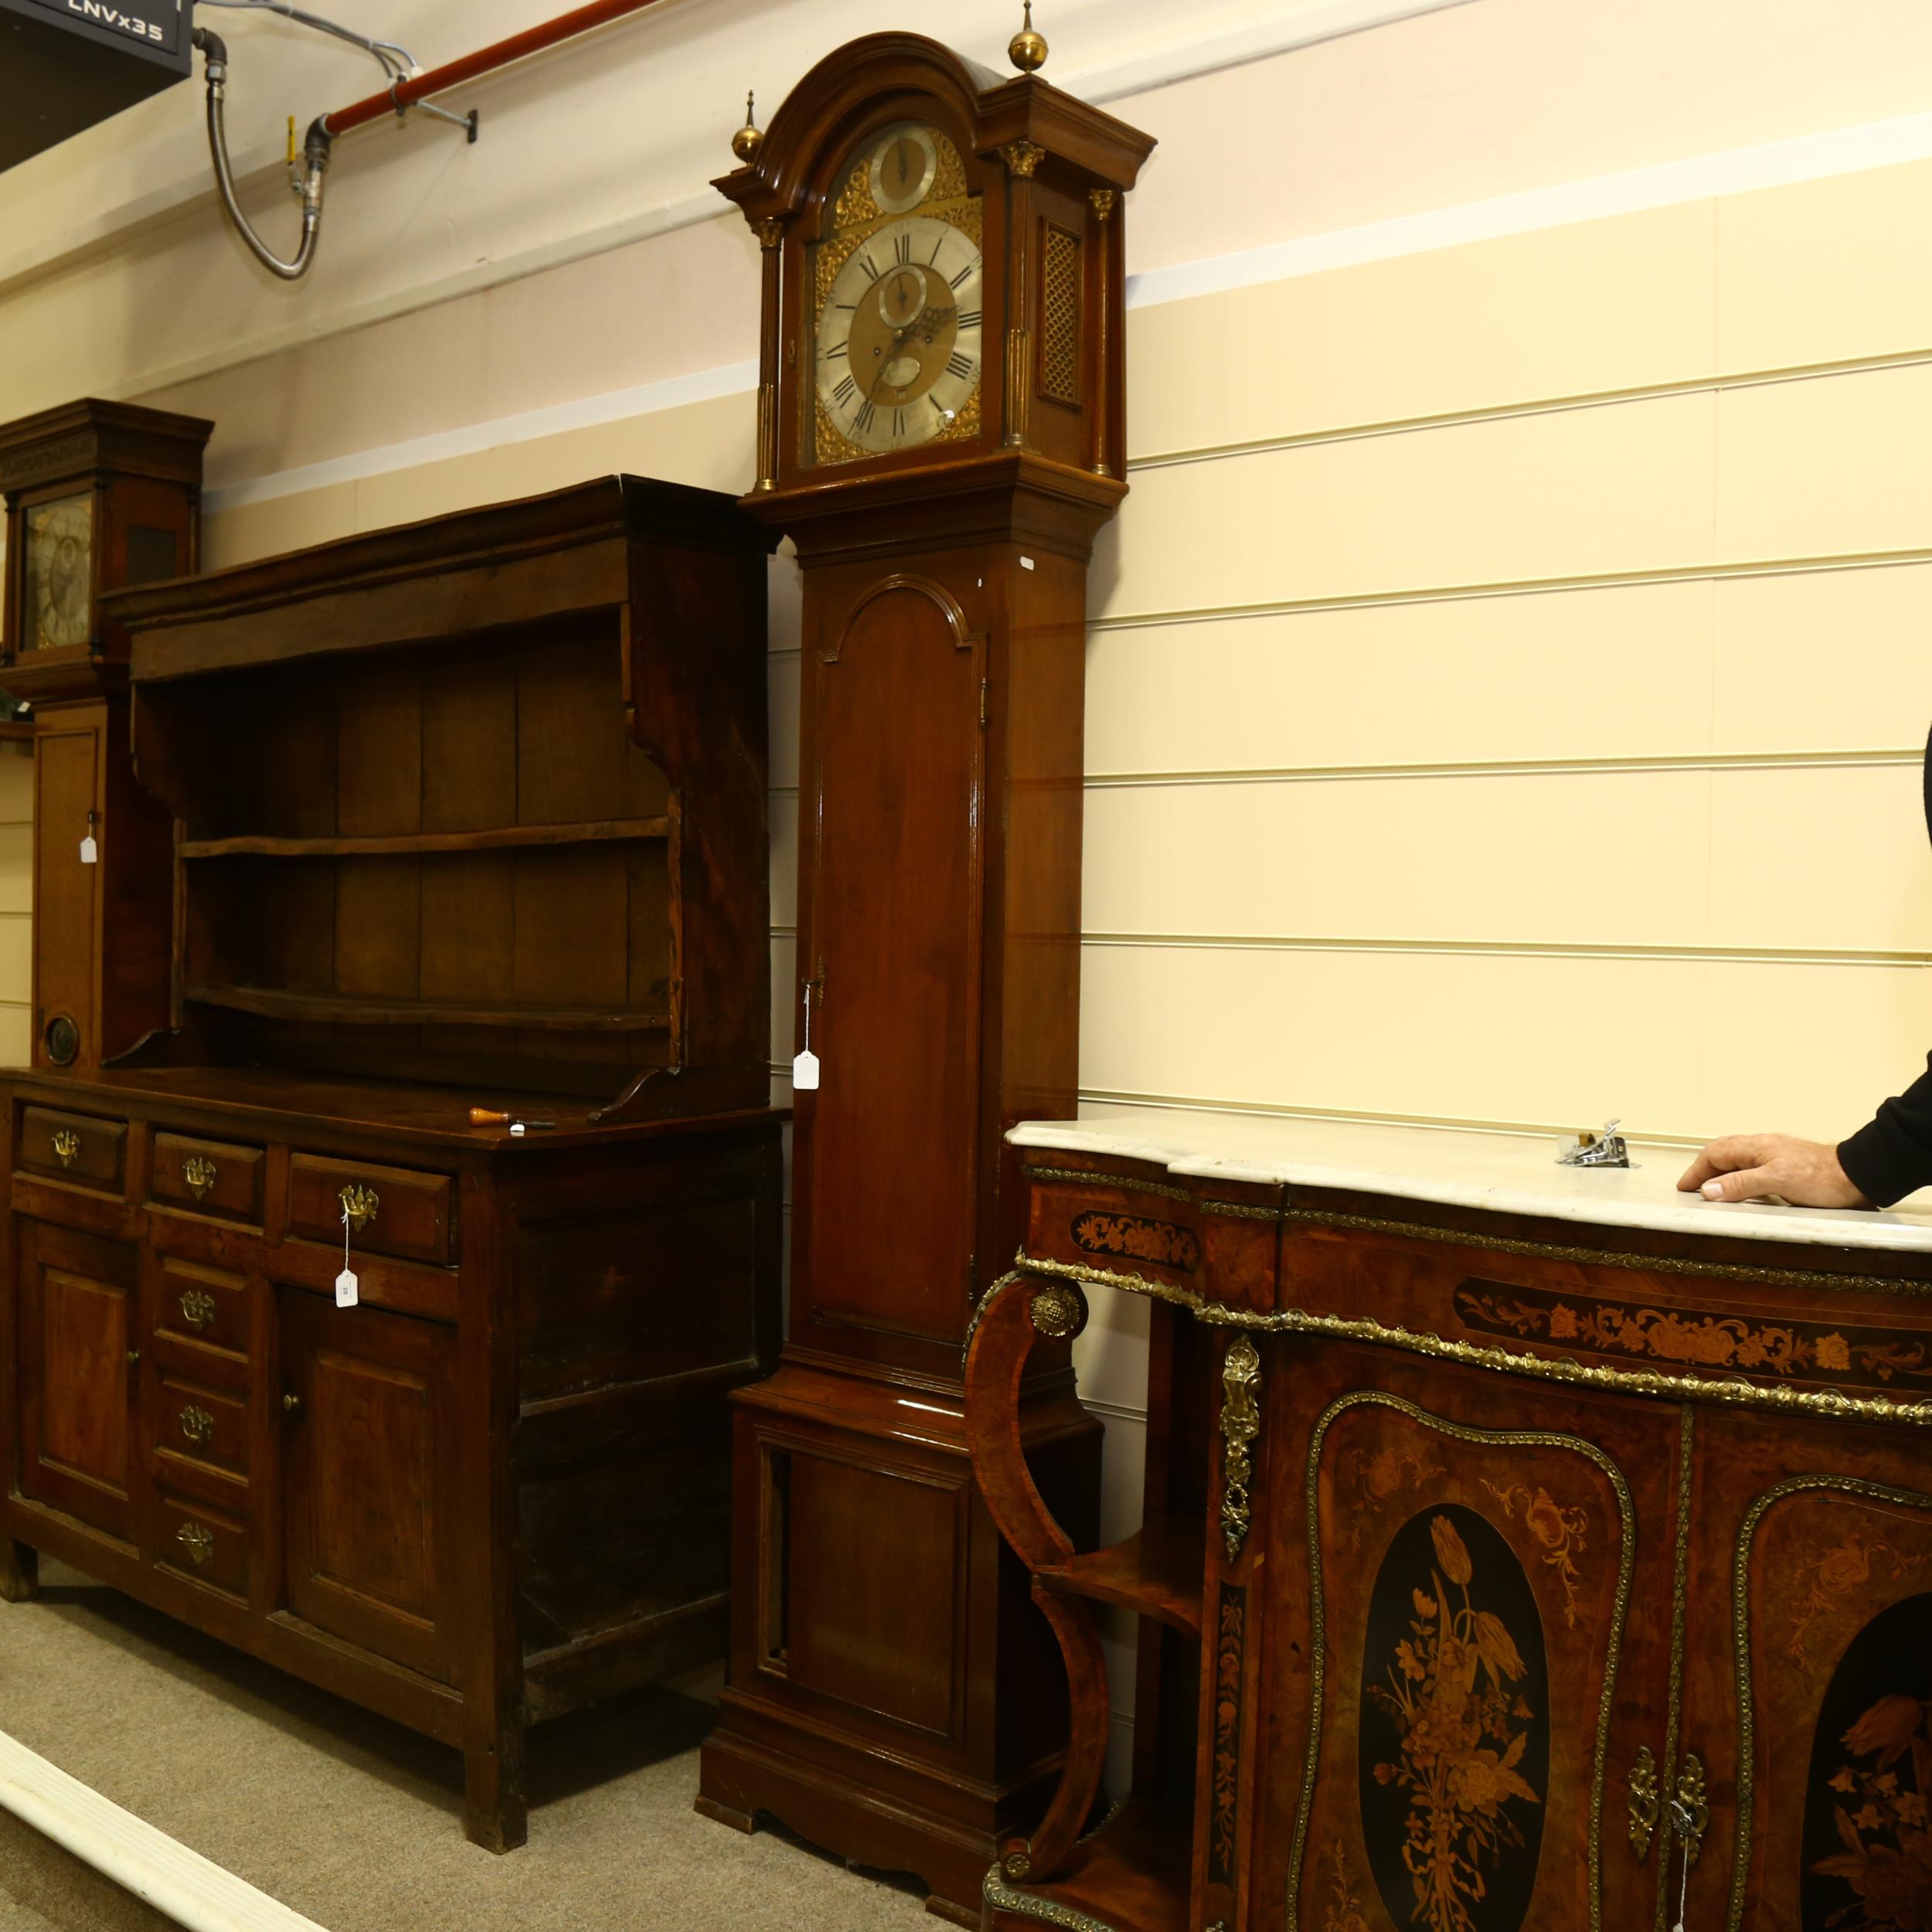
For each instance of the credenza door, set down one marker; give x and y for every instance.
(1485, 1591)
(1811, 1654)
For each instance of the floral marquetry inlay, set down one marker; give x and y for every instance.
(1561, 1533)
(1868, 1851)
(1454, 1772)
(1163, 1243)
(1690, 1337)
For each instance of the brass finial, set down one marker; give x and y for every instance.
(1027, 50)
(747, 141)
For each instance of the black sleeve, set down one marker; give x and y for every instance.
(1885, 1159)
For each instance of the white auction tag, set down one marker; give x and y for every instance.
(345, 1286)
(89, 851)
(805, 1071)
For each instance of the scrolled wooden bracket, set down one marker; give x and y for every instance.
(1013, 1311)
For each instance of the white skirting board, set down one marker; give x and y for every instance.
(179, 1883)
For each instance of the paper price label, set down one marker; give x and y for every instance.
(345, 1289)
(805, 1071)
(89, 851)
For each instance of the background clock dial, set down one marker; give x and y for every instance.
(60, 572)
(898, 342)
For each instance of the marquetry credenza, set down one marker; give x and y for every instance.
(1524, 1546)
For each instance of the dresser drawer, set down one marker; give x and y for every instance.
(81, 1148)
(401, 1212)
(204, 1544)
(211, 1177)
(202, 1425)
(203, 1304)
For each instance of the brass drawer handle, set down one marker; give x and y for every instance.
(66, 1146)
(360, 1204)
(292, 1404)
(1646, 1803)
(198, 1308)
(197, 1424)
(199, 1173)
(199, 1545)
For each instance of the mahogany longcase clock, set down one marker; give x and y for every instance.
(942, 428)
(98, 495)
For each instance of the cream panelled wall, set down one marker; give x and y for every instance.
(1513, 713)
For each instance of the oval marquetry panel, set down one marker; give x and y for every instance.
(1867, 1857)
(1453, 1744)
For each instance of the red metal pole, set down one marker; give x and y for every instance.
(518, 46)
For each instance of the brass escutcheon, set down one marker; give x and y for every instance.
(199, 1545)
(199, 1173)
(360, 1204)
(198, 1307)
(1690, 1812)
(66, 1146)
(197, 1424)
(1646, 1802)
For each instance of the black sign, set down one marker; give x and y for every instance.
(161, 26)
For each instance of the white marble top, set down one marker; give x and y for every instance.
(1507, 1173)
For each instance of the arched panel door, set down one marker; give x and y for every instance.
(886, 1152)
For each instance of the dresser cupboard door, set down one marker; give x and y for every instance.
(1475, 1590)
(1812, 1640)
(369, 1477)
(79, 1325)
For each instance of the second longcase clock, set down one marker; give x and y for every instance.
(941, 431)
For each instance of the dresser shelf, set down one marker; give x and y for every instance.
(276, 1002)
(400, 845)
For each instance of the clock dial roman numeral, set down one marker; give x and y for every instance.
(844, 390)
(958, 364)
(969, 318)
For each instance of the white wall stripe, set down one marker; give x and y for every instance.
(1894, 959)
(1197, 1104)
(1511, 949)
(1511, 768)
(1878, 144)
(1753, 569)
(1840, 151)
(1536, 406)
(187, 1887)
(647, 399)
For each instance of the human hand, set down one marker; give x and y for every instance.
(1747, 1167)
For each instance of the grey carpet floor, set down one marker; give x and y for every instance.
(358, 1823)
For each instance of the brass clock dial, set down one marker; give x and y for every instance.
(904, 166)
(899, 338)
(59, 577)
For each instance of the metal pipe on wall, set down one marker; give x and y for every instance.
(471, 67)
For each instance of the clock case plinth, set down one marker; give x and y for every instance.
(138, 471)
(894, 1694)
